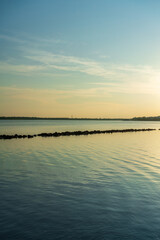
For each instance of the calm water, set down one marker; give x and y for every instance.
(80, 187)
(39, 126)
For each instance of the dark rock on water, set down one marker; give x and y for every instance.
(75, 133)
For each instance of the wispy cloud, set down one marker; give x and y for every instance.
(70, 63)
(11, 38)
(30, 40)
(27, 93)
(6, 67)
(113, 78)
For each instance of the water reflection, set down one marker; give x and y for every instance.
(86, 187)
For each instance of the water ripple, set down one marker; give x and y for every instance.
(94, 187)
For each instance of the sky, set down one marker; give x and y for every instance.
(80, 58)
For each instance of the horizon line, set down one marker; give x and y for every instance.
(79, 118)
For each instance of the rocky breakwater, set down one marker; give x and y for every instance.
(74, 133)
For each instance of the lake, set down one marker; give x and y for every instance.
(98, 187)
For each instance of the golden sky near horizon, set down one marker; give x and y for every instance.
(62, 61)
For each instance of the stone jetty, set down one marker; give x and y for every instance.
(74, 133)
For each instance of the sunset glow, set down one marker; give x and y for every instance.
(79, 58)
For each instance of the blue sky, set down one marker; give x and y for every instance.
(85, 58)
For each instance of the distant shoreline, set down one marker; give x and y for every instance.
(39, 118)
(99, 119)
